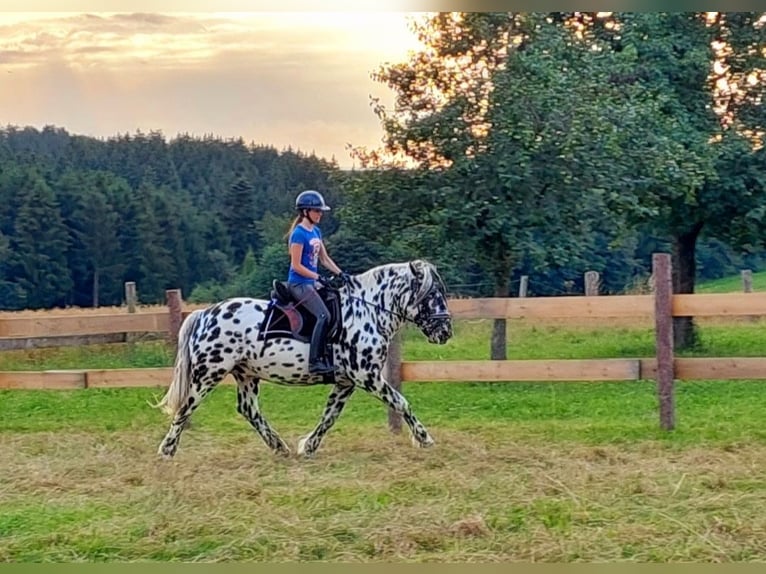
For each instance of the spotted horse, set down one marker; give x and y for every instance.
(229, 337)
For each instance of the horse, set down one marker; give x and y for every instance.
(267, 339)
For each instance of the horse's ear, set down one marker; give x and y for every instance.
(416, 267)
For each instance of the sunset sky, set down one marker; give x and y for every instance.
(297, 79)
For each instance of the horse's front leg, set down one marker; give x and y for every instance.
(339, 394)
(378, 387)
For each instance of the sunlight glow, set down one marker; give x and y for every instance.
(299, 79)
(183, 39)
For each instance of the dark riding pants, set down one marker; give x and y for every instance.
(306, 295)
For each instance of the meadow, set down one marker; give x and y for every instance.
(732, 283)
(541, 472)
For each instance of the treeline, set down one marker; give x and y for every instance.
(539, 144)
(79, 216)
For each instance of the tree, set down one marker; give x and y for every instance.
(11, 294)
(441, 94)
(147, 255)
(238, 214)
(387, 214)
(538, 123)
(87, 208)
(514, 114)
(713, 183)
(38, 246)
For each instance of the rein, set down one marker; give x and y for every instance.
(378, 307)
(394, 313)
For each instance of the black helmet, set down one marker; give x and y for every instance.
(311, 199)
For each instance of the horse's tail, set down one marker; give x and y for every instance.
(178, 391)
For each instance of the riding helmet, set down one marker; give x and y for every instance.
(311, 199)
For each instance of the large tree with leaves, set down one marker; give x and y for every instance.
(539, 122)
(438, 118)
(706, 72)
(515, 116)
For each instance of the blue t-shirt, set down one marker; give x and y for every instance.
(311, 241)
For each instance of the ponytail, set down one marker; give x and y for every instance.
(293, 225)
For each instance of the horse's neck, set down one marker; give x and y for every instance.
(383, 301)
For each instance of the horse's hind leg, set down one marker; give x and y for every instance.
(394, 399)
(247, 406)
(197, 393)
(335, 403)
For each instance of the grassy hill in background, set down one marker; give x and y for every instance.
(732, 283)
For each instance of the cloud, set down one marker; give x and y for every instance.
(113, 40)
(169, 40)
(299, 80)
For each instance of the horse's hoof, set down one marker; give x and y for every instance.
(302, 448)
(427, 443)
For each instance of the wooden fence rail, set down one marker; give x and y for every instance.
(521, 370)
(566, 307)
(660, 306)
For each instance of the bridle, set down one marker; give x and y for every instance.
(430, 316)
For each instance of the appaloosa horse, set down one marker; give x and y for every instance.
(255, 339)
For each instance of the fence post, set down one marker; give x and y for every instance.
(130, 296)
(175, 309)
(747, 281)
(394, 376)
(663, 327)
(747, 287)
(523, 285)
(591, 283)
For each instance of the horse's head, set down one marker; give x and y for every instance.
(428, 306)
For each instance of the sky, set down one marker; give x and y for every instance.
(289, 78)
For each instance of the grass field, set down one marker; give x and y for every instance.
(732, 284)
(520, 471)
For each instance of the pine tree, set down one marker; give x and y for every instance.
(39, 244)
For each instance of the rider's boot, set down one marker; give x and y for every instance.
(318, 364)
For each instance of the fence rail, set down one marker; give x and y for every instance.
(567, 307)
(522, 370)
(660, 306)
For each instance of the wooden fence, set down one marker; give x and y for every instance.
(660, 306)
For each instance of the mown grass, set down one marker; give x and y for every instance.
(520, 471)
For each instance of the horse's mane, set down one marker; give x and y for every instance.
(425, 271)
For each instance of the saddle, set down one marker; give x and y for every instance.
(286, 317)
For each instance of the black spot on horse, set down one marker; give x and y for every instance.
(352, 352)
